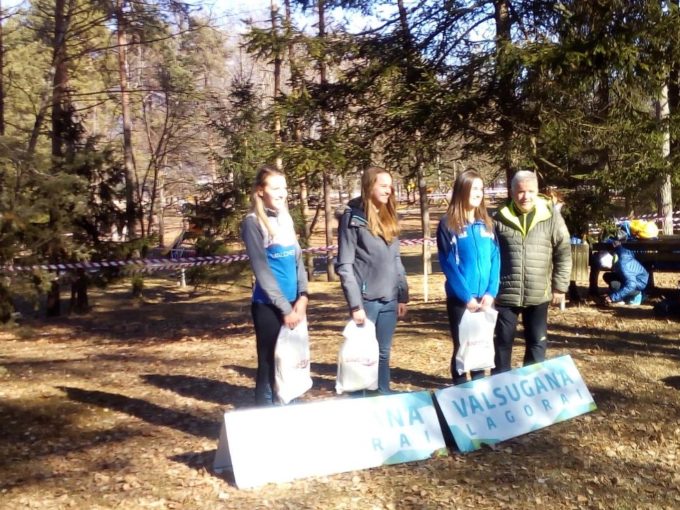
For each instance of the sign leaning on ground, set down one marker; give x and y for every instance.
(278, 444)
(490, 410)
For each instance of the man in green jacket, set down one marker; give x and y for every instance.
(535, 269)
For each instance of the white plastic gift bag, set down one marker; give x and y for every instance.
(475, 333)
(358, 358)
(291, 360)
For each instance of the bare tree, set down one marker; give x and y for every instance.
(128, 154)
(325, 124)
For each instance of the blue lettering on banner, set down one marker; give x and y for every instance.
(394, 418)
(552, 381)
(489, 410)
(527, 391)
(500, 396)
(414, 415)
(489, 405)
(540, 387)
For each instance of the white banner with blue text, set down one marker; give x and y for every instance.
(506, 405)
(282, 443)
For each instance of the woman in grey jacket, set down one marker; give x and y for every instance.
(370, 269)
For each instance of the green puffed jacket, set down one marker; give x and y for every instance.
(534, 261)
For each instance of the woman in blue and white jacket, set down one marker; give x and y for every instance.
(280, 292)
(468, 256)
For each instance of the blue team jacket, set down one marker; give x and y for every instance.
(470, 261)
(633, 275)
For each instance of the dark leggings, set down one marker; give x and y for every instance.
(455, 310)
(535, 322)
(267, 320)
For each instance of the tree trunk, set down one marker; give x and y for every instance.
(128, 155)
(60, 78)
(505, 85)
(53, 308)
(674, 111)
(665, 195)
(79, 300)
(413, 76)
(161, 213)
(424, 214)
(330, 269)
(2, 79)
(277, 86)
(6, 305)
(295, 80)
(328, 212)
(59, 121)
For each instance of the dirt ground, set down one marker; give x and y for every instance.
(121, 408)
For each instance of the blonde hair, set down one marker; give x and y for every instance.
(256, 202)
(456, 217)
(382, 219)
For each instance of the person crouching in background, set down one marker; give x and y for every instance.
(626, 277)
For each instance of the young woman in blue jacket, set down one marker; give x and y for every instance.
(468, 256)
(280, 291)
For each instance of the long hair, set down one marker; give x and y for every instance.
(456, 214)
(256, 202)
(382, 220)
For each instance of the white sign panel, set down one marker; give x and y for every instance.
(277, 444)
(489, 410)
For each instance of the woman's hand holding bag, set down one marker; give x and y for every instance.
(475, 334)
(291, 359)
(358, 358)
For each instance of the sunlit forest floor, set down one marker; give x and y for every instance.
(121, 407)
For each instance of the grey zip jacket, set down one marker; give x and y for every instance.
(369, 268)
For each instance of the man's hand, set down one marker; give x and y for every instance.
(401, 310)
(557, 298)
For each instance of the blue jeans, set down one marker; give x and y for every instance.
(384, 315)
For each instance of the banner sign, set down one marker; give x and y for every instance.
(281, 443)
(490, 410)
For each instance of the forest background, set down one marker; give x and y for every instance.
(116, 115)
(127, 126)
